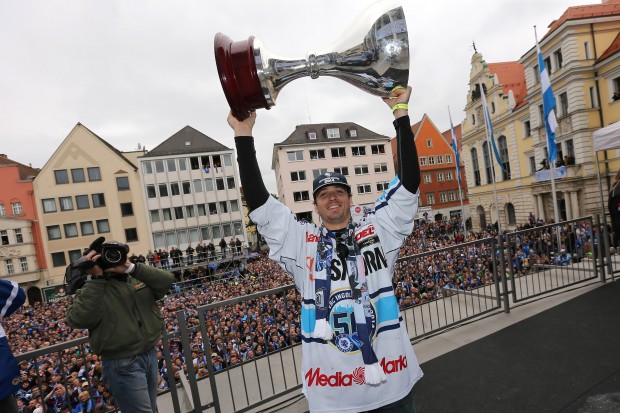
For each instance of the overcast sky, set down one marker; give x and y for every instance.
(137, 71)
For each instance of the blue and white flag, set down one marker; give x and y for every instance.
(455, 148)
(489, 126)
(548, 105)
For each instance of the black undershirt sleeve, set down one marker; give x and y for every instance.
(408, 168)
(254, 189)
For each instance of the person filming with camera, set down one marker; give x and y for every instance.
(117, 303)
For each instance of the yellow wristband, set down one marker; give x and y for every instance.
(396, 88)
(400, 106)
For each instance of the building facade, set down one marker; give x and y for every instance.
(363, 156)
(190, 184)
(439, 186)
(88, 189)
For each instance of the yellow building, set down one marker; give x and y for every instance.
(581, 54)
(88, 189)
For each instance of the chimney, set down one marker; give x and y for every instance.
(3, 155)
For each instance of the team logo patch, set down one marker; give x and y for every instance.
(344, 343)
(346, 338)
(318, 298)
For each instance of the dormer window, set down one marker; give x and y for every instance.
(312, 135)
(353, 133)
(333, 133)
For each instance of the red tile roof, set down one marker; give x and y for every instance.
(25, 172)
(610, 8)
(512, 76)
(611, 50)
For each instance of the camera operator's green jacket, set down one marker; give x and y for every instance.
(122, 317)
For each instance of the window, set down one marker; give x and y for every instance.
(427, 178)
(219, 184)
(449, 158)
(49, 205)
(473, 119)
(70, 230)
(382, 186)
(430, 199)
(570, 149)
(423, 161)
(66, 203)
(174, 189)
(317, 154)
(234, 205)
(182, 164)
(61, 176)
(352, 133)
(217, 163)
(338, 153)
(167, 214)
(439, 159)
(333, 133)
(227, 230)
(122, 183)
(593, 98)
(358, 150)
(58, 259)
(223, 207)
(126, 209)
(147, 167)
(103, 226)
(237, 229)
(74, 255)
(492, 107)
(294, 156)
(77, 175)
(227, 159)
(363, 189)
(204, 233)
(209, 185)
(452, 196)
(187, 187)
(94, 174)
(3, 210)
(300, 196)
(377, 149)
(344, 170)
(87, 228)
(563, 104)
(155, 216)
(586, 49)
(541, 115)
(548, 65)
(230, 182)
(558, 59)
(361, 169)
(527, 128)
(53, 232)
(429, 143)
(475, 166)
(131, 234)
(82, 201)
(312, 135)
(532, 165)
(212, 208)
(298, 176)
(159, 166)
(23, 264)
(17, 208)
(194, 163)
(536, 73)
(510, 214)
(202, 211)
(9, 266)
(19, 238)
(178, 212)
(449, 176)
(440, 177)
(486, 155)
(380, 167)
(98, 200)
(443, 197)
(503, 152)
(171, 164)
(317, 172)
(197, 186)
(150, 191)
(431, 160)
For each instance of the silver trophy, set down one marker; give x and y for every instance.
(372, 55)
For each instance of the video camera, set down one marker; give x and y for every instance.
(112, 254)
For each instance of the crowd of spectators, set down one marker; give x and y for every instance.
(71, 380)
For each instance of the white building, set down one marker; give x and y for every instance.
(363, 156)
(190, 185)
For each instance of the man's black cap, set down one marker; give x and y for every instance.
(329, 178)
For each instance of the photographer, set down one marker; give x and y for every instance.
(118, 306)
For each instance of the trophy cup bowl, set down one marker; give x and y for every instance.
(372, 54)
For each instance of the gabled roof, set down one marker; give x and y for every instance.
(457, 132)
(299, 135)
(613, 48)
(25, 172)
(187, 140)
(116, 151)
(511, 76)
(610, 8)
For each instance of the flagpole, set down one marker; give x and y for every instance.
(458, 171)
(490, 148)
(550, 151)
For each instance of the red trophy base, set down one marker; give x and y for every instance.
(237, 70)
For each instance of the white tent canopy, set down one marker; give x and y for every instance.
(607, 137)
